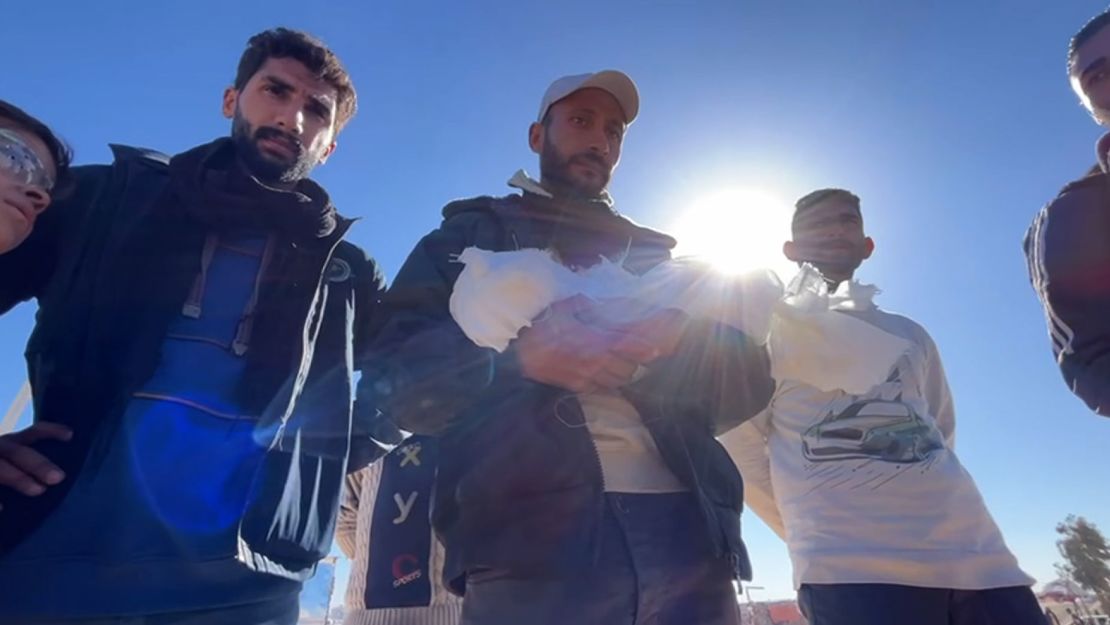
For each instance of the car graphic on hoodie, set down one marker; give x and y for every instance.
(875, 429)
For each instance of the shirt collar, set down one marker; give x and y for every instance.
(809, 288)
(521, 180)
(853, 295)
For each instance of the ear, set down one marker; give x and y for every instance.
(869, 247)
(231, 98)
(327, 153)
(536, 137)
(790, 252)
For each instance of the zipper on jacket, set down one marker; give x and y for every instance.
(599, 516)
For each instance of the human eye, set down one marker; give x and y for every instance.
(278, 91)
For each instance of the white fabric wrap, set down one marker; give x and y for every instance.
(813, 343)
(499, 293)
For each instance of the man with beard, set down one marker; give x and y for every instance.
(883, 523)
(578, 478)
(191, 368)
(1068, 245)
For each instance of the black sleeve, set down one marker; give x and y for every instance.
(1067, 251)
(370, 437)
(717, 375)
(424, 373)
(370, 289)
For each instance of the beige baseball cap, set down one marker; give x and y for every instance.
(617, 84)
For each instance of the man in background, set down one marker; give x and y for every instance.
(883, 523)
(1067, 247)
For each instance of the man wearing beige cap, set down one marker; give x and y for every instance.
(579, 480)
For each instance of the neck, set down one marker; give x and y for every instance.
(833, 278)
(562, 191)
(279, 185)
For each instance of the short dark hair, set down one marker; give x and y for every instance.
(1089, 30)
(59, 150)
(282, 43)
(814, 198)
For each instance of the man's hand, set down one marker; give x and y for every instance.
(663, 329)
(24, 469)
(561, 350)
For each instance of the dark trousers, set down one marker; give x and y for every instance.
(656, 568)
(890, 604)
(283, 611)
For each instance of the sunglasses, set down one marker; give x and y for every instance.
(18, 160)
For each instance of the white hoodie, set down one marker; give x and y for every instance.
(867, 488)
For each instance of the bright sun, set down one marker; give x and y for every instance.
(736, 230)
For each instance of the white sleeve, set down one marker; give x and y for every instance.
(747, 445)
(938, 395)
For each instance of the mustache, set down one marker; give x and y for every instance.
(273, 134)
(589, 158)
(829, 251)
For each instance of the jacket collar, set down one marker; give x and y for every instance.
(521, 180)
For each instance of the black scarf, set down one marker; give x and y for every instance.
(582, 230)
(213, 189)
(208, 193)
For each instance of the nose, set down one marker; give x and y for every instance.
(599, 142)
(291, 119)
(39, 198)
(836, 230)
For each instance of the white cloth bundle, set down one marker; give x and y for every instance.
(500, 293)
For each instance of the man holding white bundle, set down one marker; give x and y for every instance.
(579, 478)
(853, 461)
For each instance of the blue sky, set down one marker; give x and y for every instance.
(953, 121)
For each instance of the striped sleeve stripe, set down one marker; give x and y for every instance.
(1060, 332)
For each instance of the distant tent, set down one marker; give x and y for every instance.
(784, 613)
(1062, 591)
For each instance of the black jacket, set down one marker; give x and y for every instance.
(85, 359)
(1067, 250)
(519, 488)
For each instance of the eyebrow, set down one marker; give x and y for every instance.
(1094, 65)
(810, 218)
(611, 124)
(277, 81)
(321, 100)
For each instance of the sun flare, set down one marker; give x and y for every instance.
(736, 230)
